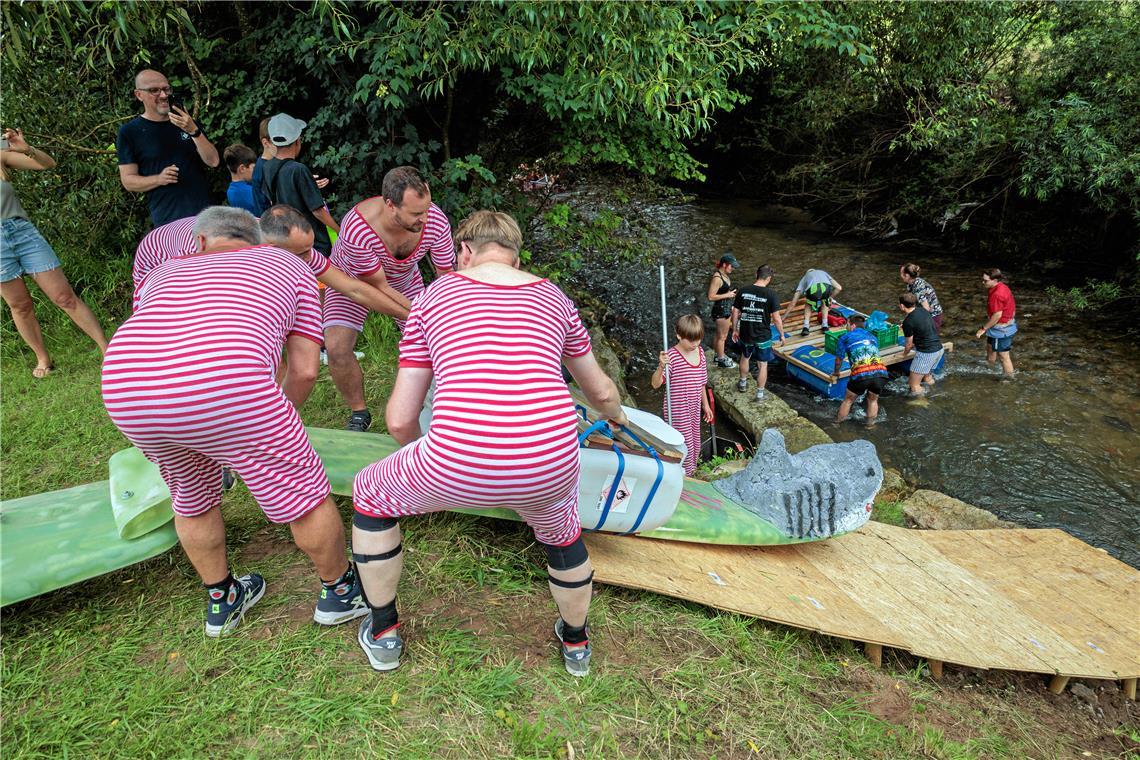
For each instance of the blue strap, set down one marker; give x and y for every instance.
(613, 487)
(598, 427)
(656, 483)
(581, 410)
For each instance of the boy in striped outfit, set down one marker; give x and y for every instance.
(684, 371)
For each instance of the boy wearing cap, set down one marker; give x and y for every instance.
(286, 180)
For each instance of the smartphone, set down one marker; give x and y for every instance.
(4, 145)
(175, 102)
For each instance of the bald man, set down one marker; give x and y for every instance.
(164, 153)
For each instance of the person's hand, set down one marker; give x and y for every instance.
(16, 142)
(322, 182)
(618, 420)
(709, 416)
(182, 120)
(662, 360)
(735, 336)
(168, 176)
(980, 333)
(732, 293)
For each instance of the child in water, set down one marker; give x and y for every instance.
(685, 370)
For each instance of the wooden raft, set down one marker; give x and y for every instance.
(1038, 601)
(794, 323)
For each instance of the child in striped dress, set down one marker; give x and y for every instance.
(686, 376)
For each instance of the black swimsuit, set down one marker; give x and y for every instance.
(722, 309)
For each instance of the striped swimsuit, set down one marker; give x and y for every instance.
(360, 252)
(503, 430)
(686, 384)
(189, 379)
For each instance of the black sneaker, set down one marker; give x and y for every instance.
(358, 422)
(340, 603)
(228, 479)
(805, 331)
(576, 658)
(224, 609)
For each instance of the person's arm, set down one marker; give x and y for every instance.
(20, 155)
(137, 183)
(599, 388)
(792, 305)
(324, 217)
(993, 320)
(836, 288)
(714, 286)
(735, 324)
(379, 280)
(926, 304)
(364, 293)
(402, 415)
(705, 407)
(659, 374)
(206, 150)
(303, 364)
(778, 319)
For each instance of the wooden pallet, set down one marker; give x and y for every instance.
(1038, 601)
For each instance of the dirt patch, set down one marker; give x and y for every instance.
(155, 656)
(267, 542)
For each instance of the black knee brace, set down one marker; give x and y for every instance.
(373, 524)
(567, 557)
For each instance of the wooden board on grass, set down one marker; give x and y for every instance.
(1030, 600)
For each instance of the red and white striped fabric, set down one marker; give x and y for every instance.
(189, 378)
(503, 430)
(359, 252)
(162, 244)
(686, 383)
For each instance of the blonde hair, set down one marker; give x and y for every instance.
(689, 327)
(484, 227)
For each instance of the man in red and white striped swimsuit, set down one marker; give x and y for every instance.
(189, 380)
(382, 241)
(163, 243)
(503, 431)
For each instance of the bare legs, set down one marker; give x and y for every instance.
(1006, 360)
(319, 533)
(849, 401)
(55, 285)
(340, 342)
(722, 326)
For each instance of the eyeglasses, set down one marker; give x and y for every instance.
(157, 90)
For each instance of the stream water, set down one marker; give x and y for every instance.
(1057, 447)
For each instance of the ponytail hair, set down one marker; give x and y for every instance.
(911, 270)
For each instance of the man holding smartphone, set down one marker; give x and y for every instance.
(163, 153)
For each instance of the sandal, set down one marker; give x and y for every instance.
(40, 371)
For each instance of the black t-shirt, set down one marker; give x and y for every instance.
(288, 181)
(155, 145)
(920, 325)
(756, 305)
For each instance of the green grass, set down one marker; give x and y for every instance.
(889, 512)
(119, 666)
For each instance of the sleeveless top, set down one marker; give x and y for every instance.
(722, 309)
(10, 207)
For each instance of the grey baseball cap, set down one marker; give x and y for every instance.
(284, 129)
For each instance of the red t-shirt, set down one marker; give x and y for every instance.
(1001, 299)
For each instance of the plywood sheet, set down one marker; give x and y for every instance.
(1031, 600)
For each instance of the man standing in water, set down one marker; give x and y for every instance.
(503, 429)
(868, 373)
(999, 329)
(922, 338)
(190, 380)
(381, 241)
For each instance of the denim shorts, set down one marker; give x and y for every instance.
(1000, 337)
(23, 250)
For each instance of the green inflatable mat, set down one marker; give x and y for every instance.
(96, 528)
(51, 540)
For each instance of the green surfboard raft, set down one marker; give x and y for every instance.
(96, 528)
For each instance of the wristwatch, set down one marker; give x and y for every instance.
(195, 133)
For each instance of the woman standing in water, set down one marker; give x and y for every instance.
(1001, 326)
(721, 293)
(923, 291)
(23, 251)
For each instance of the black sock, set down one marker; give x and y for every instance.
(384, 618)
(349, 577)
(572, 635)
(223, 586)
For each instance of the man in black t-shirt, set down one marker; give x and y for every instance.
(164, 154)
(753, 311)
(287, 181)
(921, 336)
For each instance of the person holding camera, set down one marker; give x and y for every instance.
(164, 153)
(23, 251)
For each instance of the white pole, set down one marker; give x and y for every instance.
(665, 340)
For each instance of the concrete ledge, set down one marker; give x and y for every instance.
(937, 511)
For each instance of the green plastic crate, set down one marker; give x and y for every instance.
(831, 340)
(887, 336)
